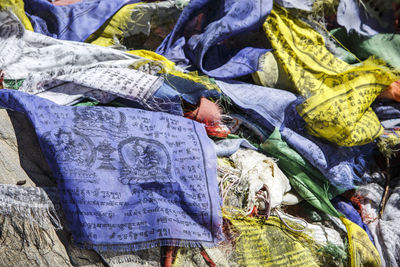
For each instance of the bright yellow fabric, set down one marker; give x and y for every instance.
(168, 67)
(362, 251)
(17, 6)
(338, 95)
(262, 242)
(114, 28)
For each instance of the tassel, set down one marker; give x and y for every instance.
(209, 113)
(392, 92)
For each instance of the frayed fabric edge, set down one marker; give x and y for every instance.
(147, 245)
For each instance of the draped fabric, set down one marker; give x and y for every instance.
(203, 37)
(343, 167)
(128, 179)
(337, 95)
(73, 22)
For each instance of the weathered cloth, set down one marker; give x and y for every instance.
(138, 26)
(69, 71)
(366, 17)
(257, 171)
(273, 108)
(388, 113)
(73, 22)
(226, 147)
(346, 207)
(227, 256)
(128, 179)
(24, 53)
(362, 251)
(203, 37)
(31, 204)
(337, 95)
(383, 45)
(269, 242)
(28, 224)
(386, 231)
(297, 4)
(307, 181)
(344, 167)
(17, 6)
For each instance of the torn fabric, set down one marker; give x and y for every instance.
(30, 204)
(386, 231)
(138, 26)
(259, 172)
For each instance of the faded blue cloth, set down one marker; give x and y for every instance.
(128, 179)
(353, 16)
(388, 112)
(203, 37)
(265, 105)
(74, 22)
(346, 207)
(386, 109)
(344, 167)
(167, 100)
(189, 90)
(228, 147)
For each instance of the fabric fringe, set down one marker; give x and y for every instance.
(44, 217)
(147, 245)
(388, 145)
(31, 204)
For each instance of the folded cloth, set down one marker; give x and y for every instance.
(344, 167)
(24, 53)
(128, 179)
(388, 113)
(337, 95)
(138, 26)
(227, 147)
(202, 36)
(272, 242)
(88, 71)
(385, 230)
(73, 22)
(366, 18)
(362, 251)
(17, 6)
(346, 207)
(382, 45)
(310, 184)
